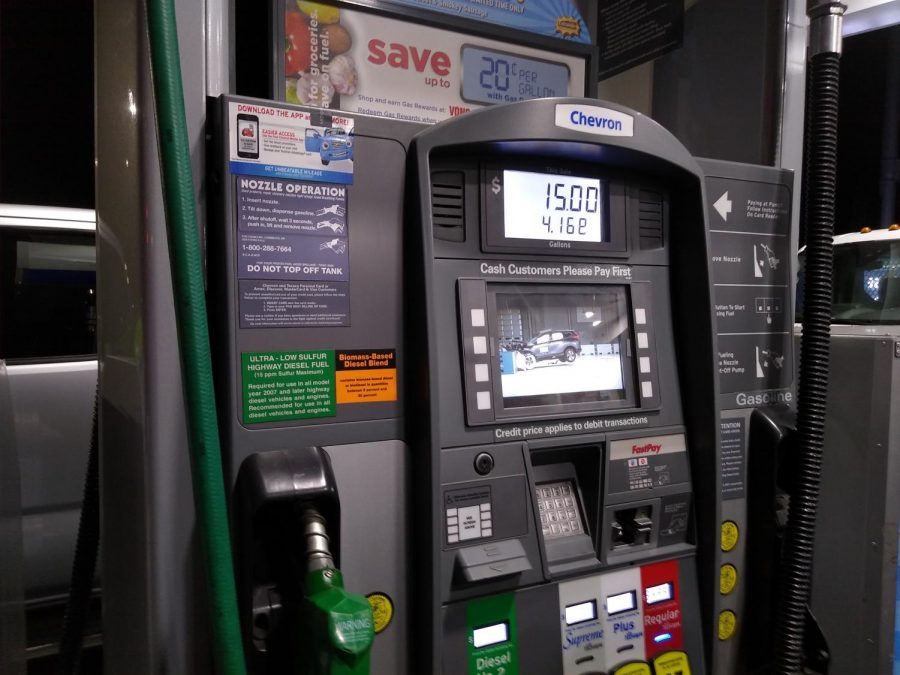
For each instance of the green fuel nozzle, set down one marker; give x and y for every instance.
(338, 624)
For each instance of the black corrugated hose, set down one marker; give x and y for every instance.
(85, 562)
(821, 165)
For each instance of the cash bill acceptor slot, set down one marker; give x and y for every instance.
(564, 374)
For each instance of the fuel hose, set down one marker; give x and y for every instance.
(821, 170)
(193, 337)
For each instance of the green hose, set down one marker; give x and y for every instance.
(193, 335)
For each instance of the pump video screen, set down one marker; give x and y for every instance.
(562, 347)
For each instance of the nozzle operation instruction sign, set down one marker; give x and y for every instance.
(293, 253)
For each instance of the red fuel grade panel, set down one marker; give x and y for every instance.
(662, 608)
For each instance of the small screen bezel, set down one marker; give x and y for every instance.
(613, 216)
(502, 413)
(592, 603)
(616, 596)
(492, 641)
(668, 598)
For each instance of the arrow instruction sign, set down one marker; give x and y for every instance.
(723, 206)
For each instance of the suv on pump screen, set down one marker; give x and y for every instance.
(560, 345)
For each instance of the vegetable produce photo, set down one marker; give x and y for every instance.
(296, 52)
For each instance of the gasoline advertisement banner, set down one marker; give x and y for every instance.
(552, 18)
(364, 63)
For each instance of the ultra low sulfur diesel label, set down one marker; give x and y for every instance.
(281, 386)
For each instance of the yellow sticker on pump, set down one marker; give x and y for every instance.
(727, 624)
(633, 668)
(729, 535)
(727, 578)
(672, 663)
(382, 610)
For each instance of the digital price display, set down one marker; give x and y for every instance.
(623, 602)
(655, 594)
(490, 76)
(581, 612)
(490, 635)
(551, 207)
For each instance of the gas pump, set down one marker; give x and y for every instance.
(567, 483)
(575, 462)
(553, 487)
(570, 380)
(476, 372)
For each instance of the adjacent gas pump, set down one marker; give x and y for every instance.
(306, 266)
(569, 380)
(748, 210)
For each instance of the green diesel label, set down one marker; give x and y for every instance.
(281, 386)
(492, 636)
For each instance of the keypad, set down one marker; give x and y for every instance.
(558, 508)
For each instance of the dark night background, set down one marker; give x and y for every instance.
(47, 102)
(47, 116)
(47, 120)
(860, 123)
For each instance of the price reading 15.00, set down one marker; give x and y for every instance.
(552, 207)
(570, 200)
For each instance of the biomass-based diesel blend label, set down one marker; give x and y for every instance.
(366, 375)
